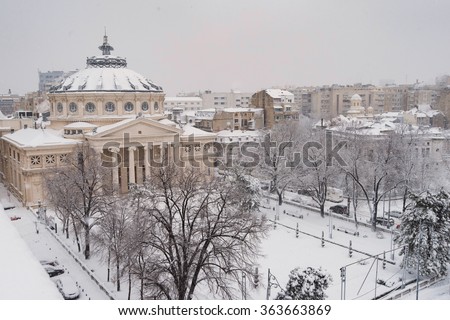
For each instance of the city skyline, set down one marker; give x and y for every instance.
(220, 46)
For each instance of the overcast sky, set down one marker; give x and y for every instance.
(245, 45)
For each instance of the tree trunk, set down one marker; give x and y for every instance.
(129, 282)
(322, 210)
(87, 243)
(280, 197)
(405, 198)
(109, 265)
(76, 236)
(117, 274)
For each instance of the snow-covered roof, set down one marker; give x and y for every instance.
(23, 277)
(31, 137)
(233, 110)
(168, 122)
(80, 125)
(238, 133)
(182, 99)
(189, 130)
(106, 79)
(423, 110)
(106, 73)
(111, 126)
(278, 93)
(356, 97)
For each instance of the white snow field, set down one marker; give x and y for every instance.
(22, 276)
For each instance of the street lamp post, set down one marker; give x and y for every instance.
(330, 226)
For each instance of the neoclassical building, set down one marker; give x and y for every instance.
(117, 111)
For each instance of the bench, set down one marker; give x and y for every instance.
(349, 231)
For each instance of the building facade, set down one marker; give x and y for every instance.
(118, 112)
(278, 105)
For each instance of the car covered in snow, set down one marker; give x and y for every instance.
(395, 214)
(385, 222)
(339, 209)
(53, 271)
(67, 286)
(49, 262)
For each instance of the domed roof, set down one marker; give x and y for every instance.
(106, 73)
(356, 97)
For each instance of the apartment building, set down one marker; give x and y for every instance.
(279, 105)
(232, 99)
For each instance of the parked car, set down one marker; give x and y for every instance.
(67, 286)
(53, 271)
(339, 209)
(385, 222)
(305, 192)
(52, 263)
(395, 214)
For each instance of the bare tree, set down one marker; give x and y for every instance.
(278, 159)
(58, 194)
(86, 183)
(201, 233)
(112, 234)
(319, 174)
(373, 164)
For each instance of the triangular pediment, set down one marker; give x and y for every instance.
(135, 127)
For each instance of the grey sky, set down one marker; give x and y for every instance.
(247, 45)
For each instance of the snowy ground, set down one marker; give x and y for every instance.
(43, 246)
(282, 250)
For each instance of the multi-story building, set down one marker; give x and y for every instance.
(183, 103)
(215, 120)
(425, 116)
(443, 101)
(302, 98)
(232, 99)
(279, 105)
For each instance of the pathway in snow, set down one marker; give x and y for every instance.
(44, 246)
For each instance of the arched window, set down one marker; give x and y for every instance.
(90, 107)
(144, 106)
(128, 107)
(73, 107)
(110, 107)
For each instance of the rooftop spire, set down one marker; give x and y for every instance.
(106, 47)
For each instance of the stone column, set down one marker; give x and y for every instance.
(170, 157)
(115, 168)
(146, 163)
(131, 164)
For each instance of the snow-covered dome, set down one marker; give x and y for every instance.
(356, 97)
(106, 73)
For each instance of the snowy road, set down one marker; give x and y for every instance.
(45, 246)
